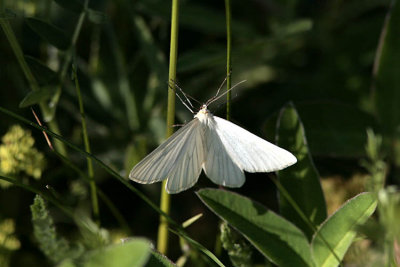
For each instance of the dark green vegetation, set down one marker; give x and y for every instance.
(322, 81)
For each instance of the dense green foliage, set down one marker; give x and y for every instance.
(322, 82)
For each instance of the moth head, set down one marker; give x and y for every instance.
(203, 109)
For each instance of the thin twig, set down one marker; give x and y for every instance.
(44, 133)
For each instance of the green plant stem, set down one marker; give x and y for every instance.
(5, 25)
(165, 201)
(93, 189)
(218, 243)
(228, 57)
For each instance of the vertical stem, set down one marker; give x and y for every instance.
(93, 190)
(228, 57)
(162, 242)
(218, 243)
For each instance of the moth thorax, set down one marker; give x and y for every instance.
(203, 115)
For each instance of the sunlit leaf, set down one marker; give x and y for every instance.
(302, 179)
(335, 235)
(275, 237)
(157, 259)
(132, 253)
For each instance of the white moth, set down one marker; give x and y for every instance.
(222, 149)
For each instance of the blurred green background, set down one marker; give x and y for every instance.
(317, 54)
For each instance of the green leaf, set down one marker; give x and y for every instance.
(72, 5)
(132, 253)
(157, 259)
(97, 17)
(302, 179)
(35, 97)
(43, 74)
(49, 32)
(387, 78)
(339, 230)
(275, 237)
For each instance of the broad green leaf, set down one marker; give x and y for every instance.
(336, 234)
(275, 237)
(157, 259)
(35, 97)
(302, 179)
(386, 70)
(72, 5)
(43, 74)
(133, 253)
(49, 32)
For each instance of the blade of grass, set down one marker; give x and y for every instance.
(165, 202)
(228, 57)
(93, 194)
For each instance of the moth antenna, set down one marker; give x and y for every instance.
(219, 88)
(216, 98)
(183, 102)
(223, 103)
(175, 85)
(222, 84)
(187, 96)
(183, 93)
